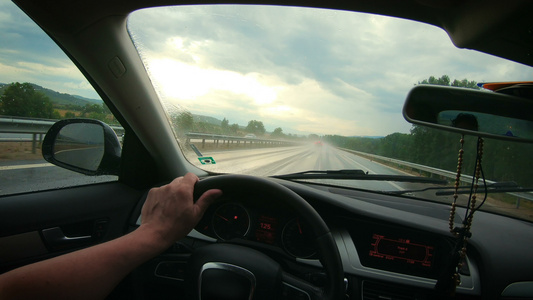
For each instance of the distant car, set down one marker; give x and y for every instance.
(318, 143)
(250, 136)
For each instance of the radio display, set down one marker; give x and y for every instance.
(401, 250)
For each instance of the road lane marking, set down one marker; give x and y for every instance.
(369, 170)
(29, 166)
(395, 185)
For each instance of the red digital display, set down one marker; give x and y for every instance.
(402, 250)
(266, 230)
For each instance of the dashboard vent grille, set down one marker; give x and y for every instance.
(380, 291)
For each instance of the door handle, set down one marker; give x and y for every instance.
(56, 238)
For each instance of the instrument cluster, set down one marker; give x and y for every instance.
(275, 225)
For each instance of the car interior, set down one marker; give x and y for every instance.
(285, 235)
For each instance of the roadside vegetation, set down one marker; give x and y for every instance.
(31, 101)
(422, 145)
(187, 122)
(439, 149)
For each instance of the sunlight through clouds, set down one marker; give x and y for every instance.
(305, 70)
(188, 82)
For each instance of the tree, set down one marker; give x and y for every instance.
(256, 127)
(96, 111)
(424, 145)
(69, 115)
(224, 125)
(437, 148)
(445, 80)
(184, 121)
(21, 99)
(465, 83)
(277, 133)
(234, 128)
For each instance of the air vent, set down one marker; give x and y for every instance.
(381, 291)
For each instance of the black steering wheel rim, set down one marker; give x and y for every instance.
(325, 243)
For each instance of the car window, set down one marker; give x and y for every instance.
(38, 86)
(270, 91)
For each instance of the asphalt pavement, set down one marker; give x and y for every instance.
(23, 176)
(284, 160)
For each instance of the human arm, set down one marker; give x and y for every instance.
(168, 214)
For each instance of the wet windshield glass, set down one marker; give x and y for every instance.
(278, 90)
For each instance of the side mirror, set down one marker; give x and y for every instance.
(472, 112)
(85, 146)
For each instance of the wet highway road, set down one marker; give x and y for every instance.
(278, 161)
(22, 176)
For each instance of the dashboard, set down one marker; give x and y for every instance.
(370, 248)
(390, 246)
(380, 246)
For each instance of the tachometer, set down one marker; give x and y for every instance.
(231, 221)
(298, 240)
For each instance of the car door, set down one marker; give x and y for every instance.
(46, 210)
(43, 224)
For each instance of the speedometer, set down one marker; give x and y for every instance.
(231, 221)
(298, 240)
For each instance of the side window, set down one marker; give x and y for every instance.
(38, 86)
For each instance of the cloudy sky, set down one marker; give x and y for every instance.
(28, 55)
(307, 71)
(304, 70)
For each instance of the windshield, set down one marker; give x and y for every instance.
(266, 91)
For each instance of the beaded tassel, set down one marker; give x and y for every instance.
(467, 224)
(457, 180)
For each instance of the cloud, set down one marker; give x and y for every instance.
(333, 68)
(29, 55)
(188, 82)
(66, 78)
(312, 71)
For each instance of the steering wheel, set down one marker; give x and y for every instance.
(227, 271)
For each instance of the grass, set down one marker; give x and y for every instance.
(501, 203)
(19, 151)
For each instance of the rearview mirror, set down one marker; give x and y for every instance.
(472, 112)
(86, 146)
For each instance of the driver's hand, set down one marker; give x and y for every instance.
(169, 211)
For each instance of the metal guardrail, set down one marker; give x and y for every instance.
(36, 127)
(25, 125)
(39, 127)
(227, 139)
(439, 172)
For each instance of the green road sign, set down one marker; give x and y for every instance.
(208, 160)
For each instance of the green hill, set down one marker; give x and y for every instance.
(206, 119)
(60, 99)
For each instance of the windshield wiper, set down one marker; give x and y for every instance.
(496, 187)
(357, 175)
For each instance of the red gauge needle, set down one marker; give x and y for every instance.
(298, 223)
(222, 218)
